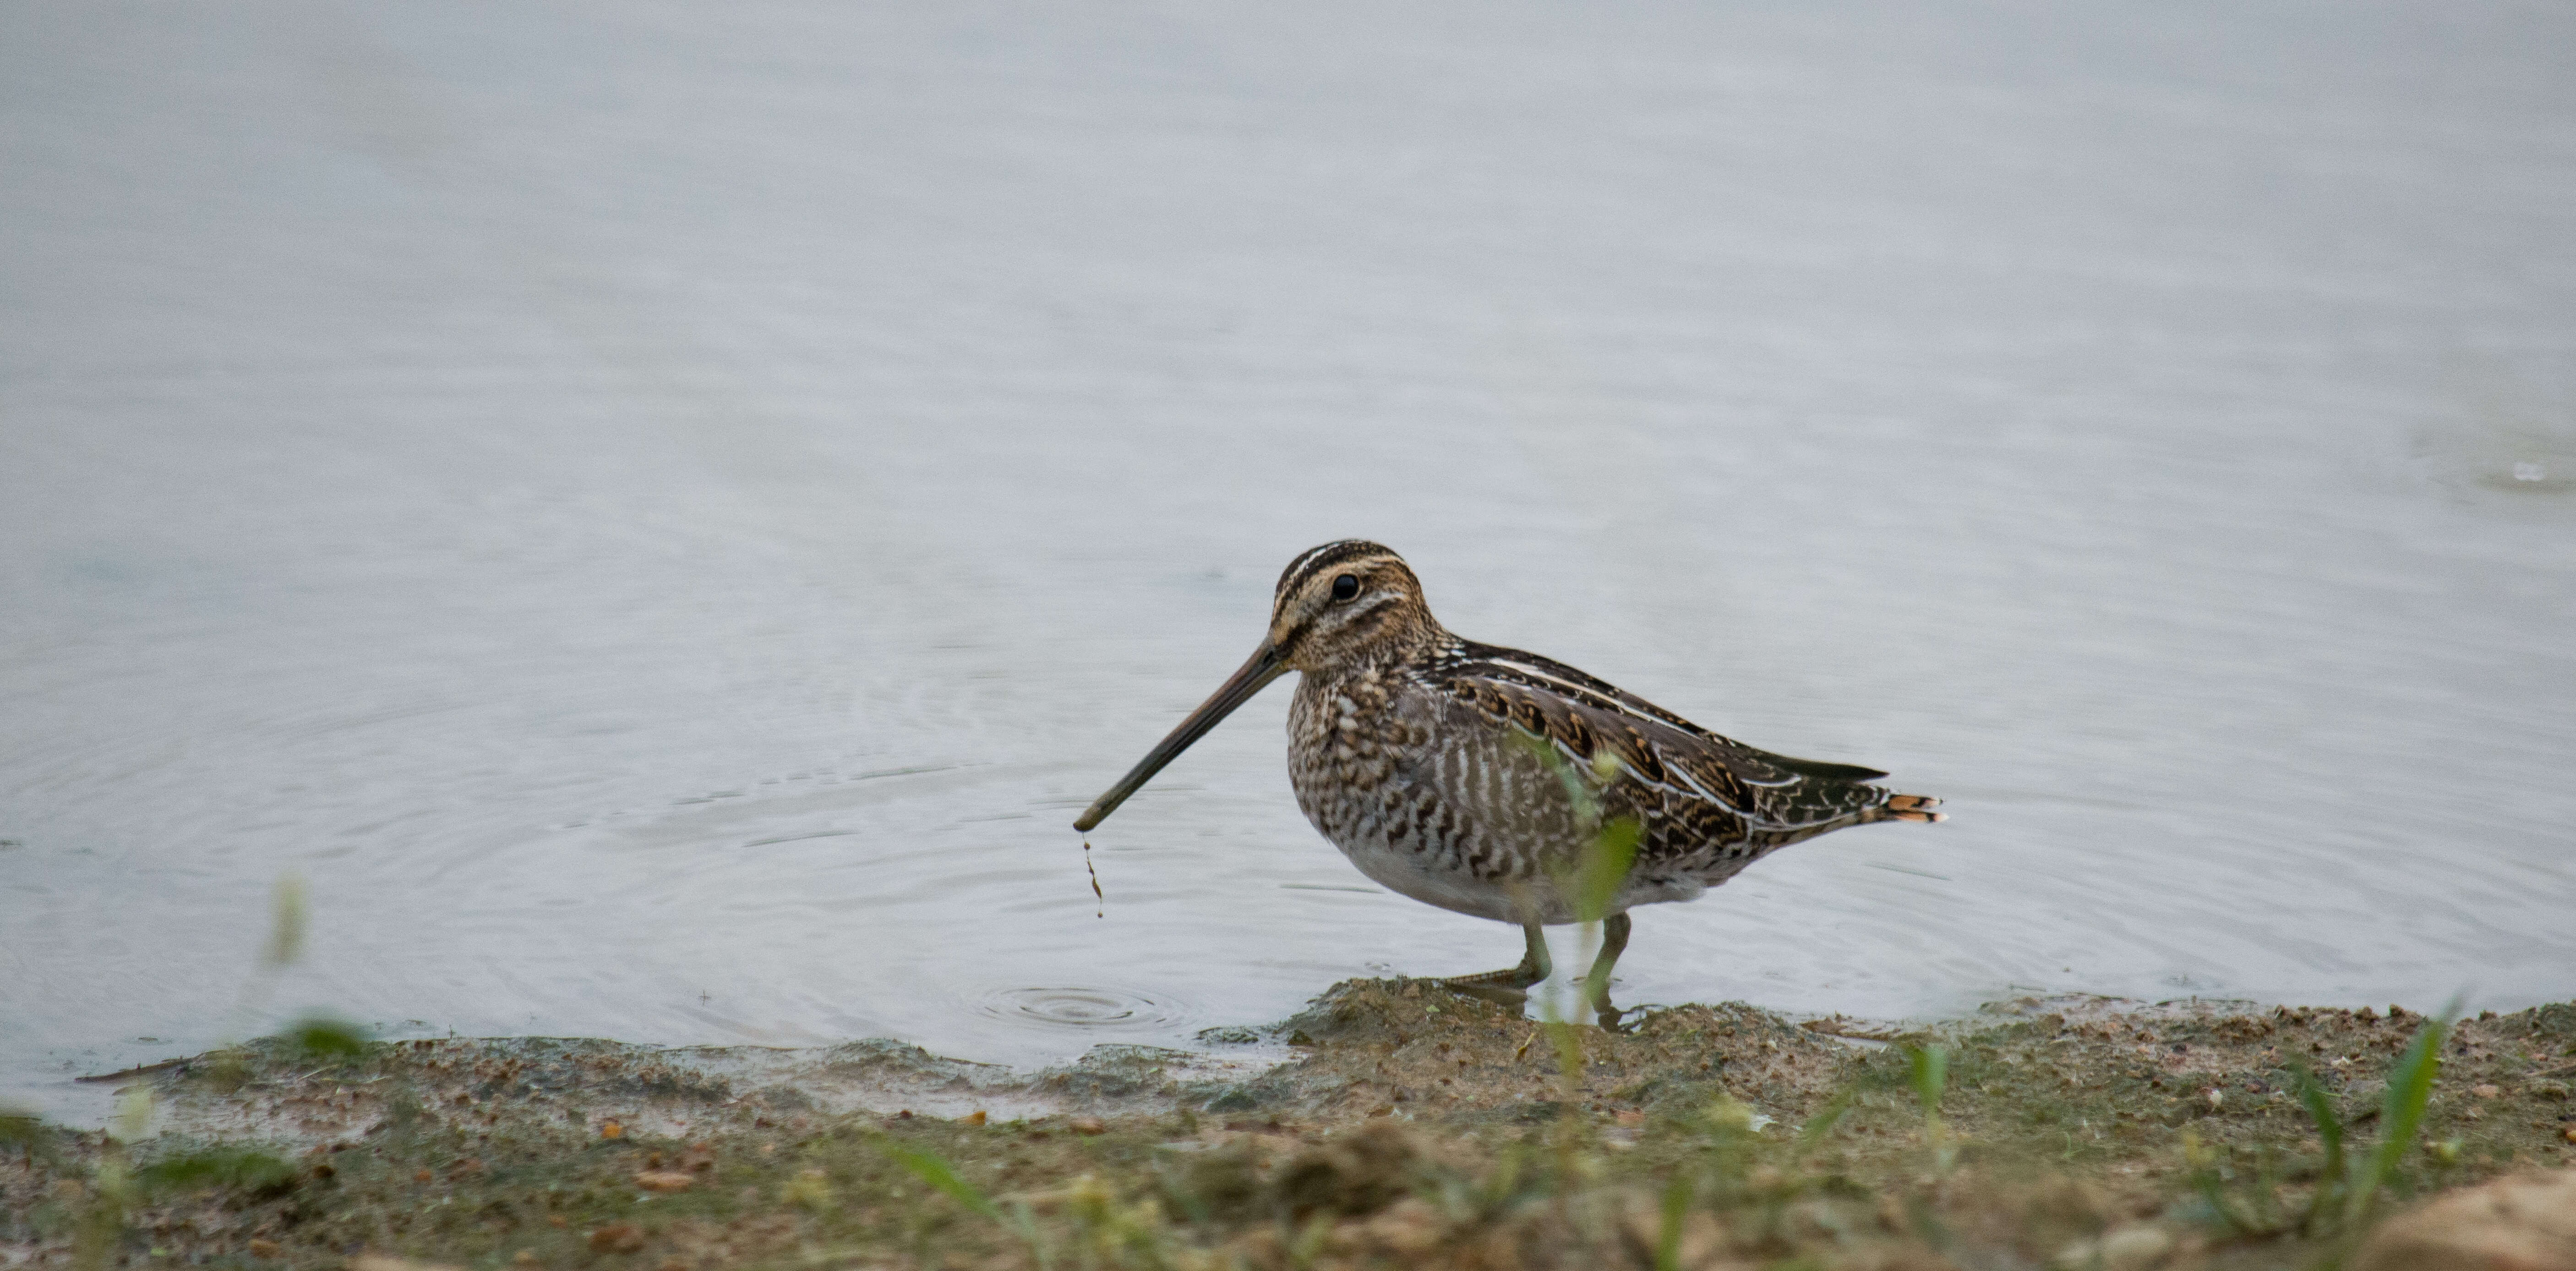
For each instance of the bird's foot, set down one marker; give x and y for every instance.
(1498, 994)
(1516, 977)
(1508, 987)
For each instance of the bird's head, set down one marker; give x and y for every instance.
(1346, 602)
(1336, 605)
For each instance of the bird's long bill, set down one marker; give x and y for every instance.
(1238, 688)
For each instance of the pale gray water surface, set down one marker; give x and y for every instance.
(662, 513)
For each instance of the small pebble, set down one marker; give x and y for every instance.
(1087, 1125)
(621, 1237)
(2121, 1249)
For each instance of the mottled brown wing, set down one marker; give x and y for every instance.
(1704, 800)
(1521, 666)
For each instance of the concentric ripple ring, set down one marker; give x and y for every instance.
(1082, 1007)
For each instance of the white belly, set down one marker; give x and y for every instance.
(1418, 875)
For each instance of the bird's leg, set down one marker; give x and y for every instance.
(1596, 985)
(1509, 986)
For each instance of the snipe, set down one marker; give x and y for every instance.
(1440, 766)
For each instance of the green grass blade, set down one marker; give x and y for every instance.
(2330, 1172)
(1595, 878)
(1578, 792)
(1823, 1123)
(287, 924)
(2401, 1113)
(1605, 868)
(1025, 1224)
(1568, 1045)
(1928, 1071)
(934, 1171)
(2212, 1186)
(1668, 1241)
(224, 1165)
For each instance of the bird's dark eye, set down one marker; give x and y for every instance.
(1345, 587)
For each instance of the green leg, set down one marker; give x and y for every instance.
(1509, 986)
(1596, 986)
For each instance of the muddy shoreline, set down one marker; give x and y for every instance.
(1391, 1121)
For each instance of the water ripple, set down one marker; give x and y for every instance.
(1082, 1008)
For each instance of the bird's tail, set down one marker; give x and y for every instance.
(1912, 807)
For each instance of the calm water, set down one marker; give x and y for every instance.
(663, 514)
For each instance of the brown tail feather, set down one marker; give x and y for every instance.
(1914, 807)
